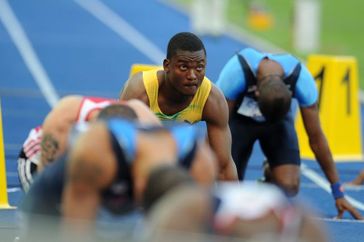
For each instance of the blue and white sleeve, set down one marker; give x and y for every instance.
(231, 80)
(306, 91)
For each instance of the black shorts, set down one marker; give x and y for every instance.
(278, 141)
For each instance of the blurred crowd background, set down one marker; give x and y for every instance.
(336, 25)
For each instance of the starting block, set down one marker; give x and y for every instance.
(135, 68)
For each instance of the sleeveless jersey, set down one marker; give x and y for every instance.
(118, 197)
(31, 145)
(191, 114)
(186, 138)
(90, 104)
(29, 156)
(44, 196)
(123, 136)
(237, 81)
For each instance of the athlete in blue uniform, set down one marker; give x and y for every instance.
(109, 164)
(259, 88)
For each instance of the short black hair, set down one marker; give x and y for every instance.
(274, 99)
(186, 41)
(117, 110)
(162, 180)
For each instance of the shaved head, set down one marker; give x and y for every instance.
(274, 98)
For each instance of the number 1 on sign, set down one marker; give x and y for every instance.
(320, 79)
(346, 80)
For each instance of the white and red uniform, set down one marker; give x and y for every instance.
(90, 104)
(252, 200)
(29, 156)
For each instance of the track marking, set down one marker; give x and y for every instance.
(340, 220)
(13, 189)
(361, 96)
(122, 28)
(27, 52)
(316, 178)
(346, 187)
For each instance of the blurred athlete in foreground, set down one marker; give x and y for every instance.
(47, 142)
(108, 165)
(247, 211)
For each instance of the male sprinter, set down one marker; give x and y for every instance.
(181, 92)
(259, 88)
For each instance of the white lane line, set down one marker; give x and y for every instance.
(27, 52)
(123, 29)
(14, 189)
(316, 178)
(340, 220)
(353, 188)
(361, 96)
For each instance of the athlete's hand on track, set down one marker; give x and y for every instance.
(343, 205)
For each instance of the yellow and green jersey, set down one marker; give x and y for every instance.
(191, 114)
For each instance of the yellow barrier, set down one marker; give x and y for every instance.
(4, 204)
(142, 67)
(337, 81)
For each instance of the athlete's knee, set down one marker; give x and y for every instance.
(287, 177)
(289, 185)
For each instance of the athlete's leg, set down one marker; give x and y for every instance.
(243, 138)
(280, 145)
(287, 177)
(358, 180)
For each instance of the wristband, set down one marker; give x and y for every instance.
(337, 190)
